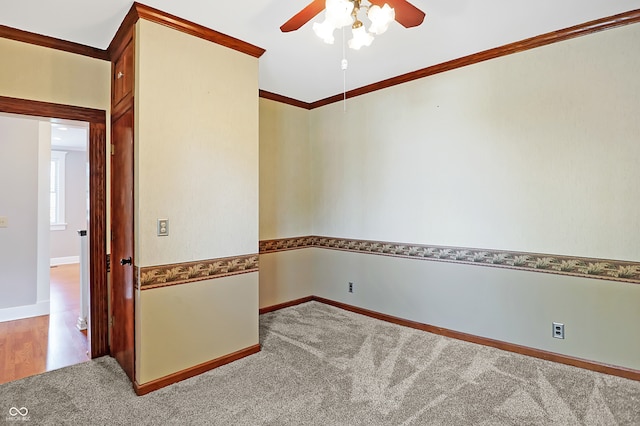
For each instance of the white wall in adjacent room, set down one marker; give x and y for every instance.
(66, 243)
(24, 207)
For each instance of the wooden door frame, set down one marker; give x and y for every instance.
(98, 295)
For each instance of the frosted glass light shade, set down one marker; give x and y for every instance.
(324, 30)
(338, 12)
(380, 18)
(360, 38)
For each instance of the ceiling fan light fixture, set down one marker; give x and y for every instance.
(380, 18)
(360, 37)
(324, 30)
(339, 12)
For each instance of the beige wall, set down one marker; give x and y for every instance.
(285, 200)
(536, 151)
(186, 325)
(197, 147)
(532, 152)
(196, 164)
(285, 175)
(48, 75)
(286, 276)
(39, 73)
(601, 317)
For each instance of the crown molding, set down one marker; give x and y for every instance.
(154, 15)
(52, 42)
(124, 33)
(139, 10)
(284, 99)
(586, 28)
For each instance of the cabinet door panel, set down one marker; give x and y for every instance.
(123, 74)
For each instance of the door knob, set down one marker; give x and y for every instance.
(126, 261)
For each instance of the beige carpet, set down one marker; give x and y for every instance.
(320, 365)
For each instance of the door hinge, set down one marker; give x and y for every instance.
(111, 321)
(113, 149)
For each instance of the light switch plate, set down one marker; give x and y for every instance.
(4, 222)
(163, 227)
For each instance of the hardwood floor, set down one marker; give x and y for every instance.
(35, 345)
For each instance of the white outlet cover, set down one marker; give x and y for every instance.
(163, 227)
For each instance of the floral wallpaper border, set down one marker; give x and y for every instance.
(613, 270)
(149, 277)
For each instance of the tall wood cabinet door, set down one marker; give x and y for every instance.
(123, 74)
(122, 271)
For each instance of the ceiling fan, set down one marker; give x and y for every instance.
(340, 13)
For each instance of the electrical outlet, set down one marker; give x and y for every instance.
(4, 222)
(558, 330)
(350, 287)
(163, 227)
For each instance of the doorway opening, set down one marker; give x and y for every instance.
(68, 216)
(97, 330)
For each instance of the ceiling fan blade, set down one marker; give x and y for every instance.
(407, 14)
(304, 16)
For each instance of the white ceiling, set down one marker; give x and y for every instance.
(66, 135)
(69, 135)
(301, 66)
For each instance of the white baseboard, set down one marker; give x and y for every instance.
(27, 311)
(55, 261)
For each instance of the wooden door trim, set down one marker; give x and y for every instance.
(96, 149)
(48, 109)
